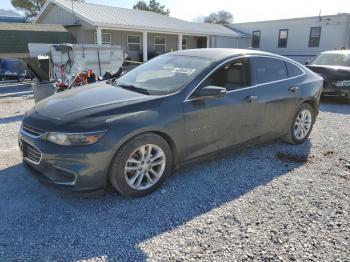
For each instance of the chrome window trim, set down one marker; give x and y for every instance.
(247, 87)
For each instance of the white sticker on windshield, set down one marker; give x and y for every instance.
(187, 71)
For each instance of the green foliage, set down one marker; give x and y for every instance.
(30, 7)
(152, 6)
(221, 17)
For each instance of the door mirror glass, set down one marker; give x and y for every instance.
(212, 92)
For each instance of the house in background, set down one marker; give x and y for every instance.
(142, 34)
(300, 38)
(9, 16)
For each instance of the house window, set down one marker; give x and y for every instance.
(134, 43)
(106, 38)
(256, 39)
(184, 43)
(283, 38)
(159, 44)
(315, 35)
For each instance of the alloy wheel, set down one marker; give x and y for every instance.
(302, 124)
(145, 167)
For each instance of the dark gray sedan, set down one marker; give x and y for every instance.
(172, 109)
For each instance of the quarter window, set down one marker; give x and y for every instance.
(265, 69)
(233, 75)
(293, 70)
(283, 38)
(134, 43)
(256, 39)
(315, 36)
(159, 44)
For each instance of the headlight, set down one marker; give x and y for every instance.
(342, 83)
(75, 139)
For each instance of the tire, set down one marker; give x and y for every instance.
(131, 173)
(292, 136)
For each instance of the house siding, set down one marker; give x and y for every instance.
(334, 35)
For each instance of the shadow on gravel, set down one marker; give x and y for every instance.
(11, 119)
(38, 221)
(335, 105)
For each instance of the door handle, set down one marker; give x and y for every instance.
(293, 89)
(251, 99)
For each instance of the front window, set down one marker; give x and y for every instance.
(315, 36)
(256, 39)
(160, 44)
(332, 60)
(233, 75)
(164, 74)
(283, 38)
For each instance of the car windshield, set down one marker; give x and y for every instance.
(332, 60)
(165, 74)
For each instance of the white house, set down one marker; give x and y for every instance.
(299, 38)
(141, 34)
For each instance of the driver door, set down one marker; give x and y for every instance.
(216, 123)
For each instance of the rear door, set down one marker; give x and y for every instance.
(278, 91)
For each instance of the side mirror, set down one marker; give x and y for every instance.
(212, 92)
(307, 62)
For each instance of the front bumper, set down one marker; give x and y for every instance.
(74, 168)
(337, 91)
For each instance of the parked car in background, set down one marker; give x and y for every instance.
(13, 69)
(171, 109)
(334, 67)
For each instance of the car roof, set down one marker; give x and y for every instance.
(345, 52)
(217, 54)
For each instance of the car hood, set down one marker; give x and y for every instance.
(331, 73)
(94, 101)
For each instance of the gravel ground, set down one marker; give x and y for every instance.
(247, 206)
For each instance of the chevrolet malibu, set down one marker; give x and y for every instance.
(175, 108)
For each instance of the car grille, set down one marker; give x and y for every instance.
(32, 130)
(31, 153)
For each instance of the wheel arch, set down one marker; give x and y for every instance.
(156, 131)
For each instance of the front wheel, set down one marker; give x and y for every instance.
(141, 165)
(301, 125)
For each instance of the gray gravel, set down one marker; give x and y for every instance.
(245, 206)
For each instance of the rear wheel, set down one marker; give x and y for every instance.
(301, 125)
(141, 165)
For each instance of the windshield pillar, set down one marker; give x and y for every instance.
(144, 46)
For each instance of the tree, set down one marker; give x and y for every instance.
(153, 6)
(30, 7)
(221, 17)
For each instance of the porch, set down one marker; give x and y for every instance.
(141, 46)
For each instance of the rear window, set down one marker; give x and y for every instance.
(293, 70)
(265, 69)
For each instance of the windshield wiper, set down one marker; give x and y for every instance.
(134, 88)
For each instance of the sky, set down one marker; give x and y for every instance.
(243, 11)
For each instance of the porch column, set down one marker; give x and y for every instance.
(144, 46)
(179, 42)
(99, 36)
(208, 41)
